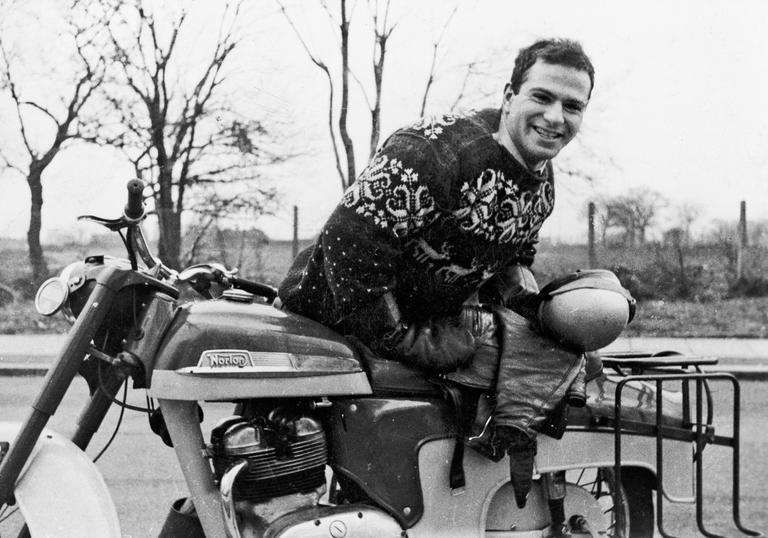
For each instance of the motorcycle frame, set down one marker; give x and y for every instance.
(183, 426)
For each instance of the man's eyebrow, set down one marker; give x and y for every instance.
(566, 98)
(578, 102)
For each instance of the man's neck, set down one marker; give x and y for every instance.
(502, 137)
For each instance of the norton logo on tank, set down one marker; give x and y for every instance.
(240, 361)
(225, 359)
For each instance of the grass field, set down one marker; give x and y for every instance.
(731, 317)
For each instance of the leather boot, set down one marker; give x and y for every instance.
(576, 395)
(534, 376)
(531, 373)
(521, 448)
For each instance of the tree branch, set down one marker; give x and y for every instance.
(324, 68)
(435, 46)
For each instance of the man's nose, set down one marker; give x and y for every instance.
(554, 113)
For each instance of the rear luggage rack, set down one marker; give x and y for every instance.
(664, 367)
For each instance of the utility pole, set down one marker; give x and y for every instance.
(295, 248)
(742, 244)
(591, 236)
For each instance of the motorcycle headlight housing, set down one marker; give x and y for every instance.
(55, 292)
(51, 296)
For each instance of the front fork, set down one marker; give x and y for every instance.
(57, 381)
(103, 387)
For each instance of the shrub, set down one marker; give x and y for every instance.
(24, 287)
(749, 286)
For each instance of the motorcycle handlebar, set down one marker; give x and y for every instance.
(257, 288)
(134, 209)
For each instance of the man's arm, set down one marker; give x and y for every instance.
(362, 246)
(515, 286)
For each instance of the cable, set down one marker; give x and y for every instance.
(117, 427)
(115, 400)
(9, 514)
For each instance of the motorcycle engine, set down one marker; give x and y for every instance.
(285, 453)
(278, 456)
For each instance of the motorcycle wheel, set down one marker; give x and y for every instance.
(628, 513)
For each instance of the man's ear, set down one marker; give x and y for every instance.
(508, 95)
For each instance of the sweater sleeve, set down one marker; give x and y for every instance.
(362, 240)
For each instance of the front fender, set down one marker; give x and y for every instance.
(60, 492)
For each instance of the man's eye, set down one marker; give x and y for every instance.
(574, 107)
(540, 97)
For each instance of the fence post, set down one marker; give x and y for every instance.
(295, 246)
(591, 236)
(741, 246)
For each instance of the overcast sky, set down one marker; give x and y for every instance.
(678, 104)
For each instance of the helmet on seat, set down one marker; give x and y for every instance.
(585, 310)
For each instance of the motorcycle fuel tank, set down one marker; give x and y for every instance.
(224, 350)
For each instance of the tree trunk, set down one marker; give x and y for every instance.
(346, 139)
(169, 243)
(36, 258)
(169, 222)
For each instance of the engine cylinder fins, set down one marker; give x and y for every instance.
(284, 454)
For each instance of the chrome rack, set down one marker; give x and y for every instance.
(661, 368)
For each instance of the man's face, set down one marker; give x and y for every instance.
(545, 114)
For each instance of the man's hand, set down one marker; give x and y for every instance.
(514, 287)
(438, 345)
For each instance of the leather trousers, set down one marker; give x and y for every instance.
(528, 373)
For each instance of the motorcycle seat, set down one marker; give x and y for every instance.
(394, 378)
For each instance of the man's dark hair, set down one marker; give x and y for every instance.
(552, 51)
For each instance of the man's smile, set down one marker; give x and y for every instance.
(547, 134)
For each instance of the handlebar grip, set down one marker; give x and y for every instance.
(134, 209)
(257, 288)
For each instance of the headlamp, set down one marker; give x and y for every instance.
(55, 292)
(51, 296)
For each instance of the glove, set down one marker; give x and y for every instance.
(440, 345)
(481, 372)
(514, 287)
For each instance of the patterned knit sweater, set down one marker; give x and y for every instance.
(441, 210)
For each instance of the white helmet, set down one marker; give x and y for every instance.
(585, 310)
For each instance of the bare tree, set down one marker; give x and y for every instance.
(381, 35)
(432, 66)
(176, 124)
(64, 117)
(347, 176)
(212, 213)
(633, 212)
(687, 214)
(382, 30)
(331, 97)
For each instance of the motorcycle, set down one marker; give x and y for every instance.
(323, 441)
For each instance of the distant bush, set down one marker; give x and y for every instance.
(654, 271)
(638, 285)
(24, 287)
(7, 295)
(749, 286)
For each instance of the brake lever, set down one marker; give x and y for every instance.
(113, 225)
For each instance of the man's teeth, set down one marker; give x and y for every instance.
(545, 133)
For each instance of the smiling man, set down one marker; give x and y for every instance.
(447, 214)
(543, 106)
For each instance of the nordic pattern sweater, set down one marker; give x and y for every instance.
(441, 210)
